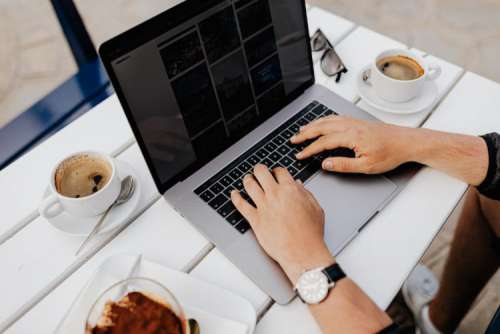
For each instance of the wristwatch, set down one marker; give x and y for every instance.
(314, 285)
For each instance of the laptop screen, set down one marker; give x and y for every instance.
(200, 76)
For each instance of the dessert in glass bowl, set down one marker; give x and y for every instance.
(137, 306)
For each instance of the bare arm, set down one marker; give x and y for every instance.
(382, 147)
(289, 224)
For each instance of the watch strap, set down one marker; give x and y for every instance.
(334, 273)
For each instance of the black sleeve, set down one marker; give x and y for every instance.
(491, 184)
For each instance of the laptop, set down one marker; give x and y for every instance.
(213, 87)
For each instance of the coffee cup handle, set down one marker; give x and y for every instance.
(434, 72)
(366, 76)
(50, 207)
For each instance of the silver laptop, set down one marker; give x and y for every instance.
(213, 87)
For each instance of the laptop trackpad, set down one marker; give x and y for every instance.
(349, 202)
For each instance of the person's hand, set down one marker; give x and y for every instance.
(378, 147)
(287, 221)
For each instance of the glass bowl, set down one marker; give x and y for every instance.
(146, 286)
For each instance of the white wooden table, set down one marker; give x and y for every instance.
(40, 276)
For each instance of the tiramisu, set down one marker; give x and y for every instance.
(137, 313)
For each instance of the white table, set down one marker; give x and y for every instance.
(41, 277)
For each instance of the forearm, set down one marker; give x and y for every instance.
(347, 309)
(461, 156)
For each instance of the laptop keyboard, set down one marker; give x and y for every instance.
(275, 150)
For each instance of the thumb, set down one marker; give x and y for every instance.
(344, 165)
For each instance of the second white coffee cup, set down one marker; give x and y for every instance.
(398, 91)
(87, 206)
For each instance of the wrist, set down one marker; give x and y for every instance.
(312, 260)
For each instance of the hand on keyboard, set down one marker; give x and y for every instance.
(287, 219)
(365, 147)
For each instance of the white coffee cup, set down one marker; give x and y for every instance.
(88, 206)
(397, 91)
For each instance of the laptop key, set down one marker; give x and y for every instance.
(243, 226)
(278, 140)
(270, 147)
(262, 153)
(287, 134)
(207, 196)
(228, 190)
(226, 181)
(245, 167)
(218, 201)
(309, 171)
(319, 109)
(253, 160)
(284, 149)
(286, 161)
(226, 209)
(294, 128)
(310, 117)
(292, 171)
(234, 218)
(299, 164)
(267, 162)
(236, 174)
(275, 156)
(238, 184)
(216, 188)
(302, 122)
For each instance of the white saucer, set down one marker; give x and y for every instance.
(217, 310)
(416, 105)
(78, 226)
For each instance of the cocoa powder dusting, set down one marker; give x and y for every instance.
(138, 314)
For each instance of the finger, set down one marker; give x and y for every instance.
(265, 178)
(245, 208)
(283, 176)
(253, 189)
(313, 130)
(324, 143)
(345, 165)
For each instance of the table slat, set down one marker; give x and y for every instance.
(473, 107)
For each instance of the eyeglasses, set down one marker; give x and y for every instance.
(331, 64)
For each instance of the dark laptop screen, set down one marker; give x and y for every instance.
(209, 77)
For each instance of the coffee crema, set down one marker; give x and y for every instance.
(82, 175)
(400, 67)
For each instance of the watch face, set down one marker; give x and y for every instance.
(313, 287)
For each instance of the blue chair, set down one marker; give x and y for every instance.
(87, 88)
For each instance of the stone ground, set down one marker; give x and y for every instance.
(34, 59)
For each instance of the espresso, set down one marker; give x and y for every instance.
(82, 175)
(400, 68)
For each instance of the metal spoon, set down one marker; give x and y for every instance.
(126, 191)
(194, 327)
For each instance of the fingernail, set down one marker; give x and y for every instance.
(298, 155)
(292, 139)
(328, 165)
